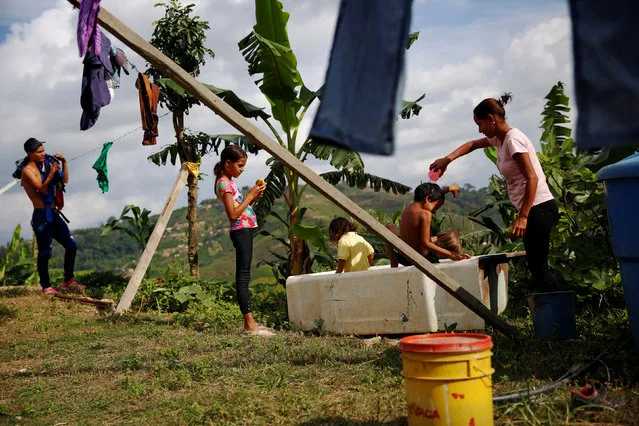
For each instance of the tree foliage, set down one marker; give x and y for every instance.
(181, 37)
(581, 251)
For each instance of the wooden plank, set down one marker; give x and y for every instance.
(105, 304)
(152, 244)
(204, 95)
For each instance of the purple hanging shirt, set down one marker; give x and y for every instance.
(95, 92)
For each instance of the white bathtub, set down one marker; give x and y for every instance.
(385, 300)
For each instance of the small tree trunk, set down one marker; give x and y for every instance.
(300, 260)
(300, 256)
(193, 236)
(191, 215)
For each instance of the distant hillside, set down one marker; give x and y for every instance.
(116, 251)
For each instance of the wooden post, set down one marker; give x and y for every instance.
(204, 95)
(152, 244)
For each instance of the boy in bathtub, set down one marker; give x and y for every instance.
(414, 226)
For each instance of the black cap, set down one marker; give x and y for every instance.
(32, 144)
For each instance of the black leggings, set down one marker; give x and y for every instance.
(243, 243)
(541, 220)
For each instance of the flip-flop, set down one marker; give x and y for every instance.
(260, 332)
(263, 327)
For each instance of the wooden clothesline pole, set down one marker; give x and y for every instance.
(204, 95)
(152, 243)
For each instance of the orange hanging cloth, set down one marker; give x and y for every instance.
(149, 98)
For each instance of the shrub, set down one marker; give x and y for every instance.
(221, 316)
(101, 283)
(178, 290)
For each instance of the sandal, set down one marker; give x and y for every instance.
(261, 332)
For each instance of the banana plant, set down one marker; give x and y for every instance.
(135, 222)
(268, 53)
(18, 267)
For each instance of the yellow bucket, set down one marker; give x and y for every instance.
(448, 379)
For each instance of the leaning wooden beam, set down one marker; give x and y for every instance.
(152, 244)
(204, 95)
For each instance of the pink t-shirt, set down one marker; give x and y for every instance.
(516, 142)
(247, 219)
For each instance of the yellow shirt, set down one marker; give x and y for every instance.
(355, 250)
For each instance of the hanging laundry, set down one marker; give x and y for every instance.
(149, 98)
(121, 60)
(100, 166)
(360, 99)
(606, 72)
(88, 30)
(95, 91)
(119, 63)
(111, 88)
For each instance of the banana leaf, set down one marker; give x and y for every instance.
(361, 180)
(246, 109)
(340, 158)
(268, 52)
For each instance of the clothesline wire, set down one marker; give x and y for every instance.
(114, 140)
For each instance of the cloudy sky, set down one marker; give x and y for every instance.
(467, 50)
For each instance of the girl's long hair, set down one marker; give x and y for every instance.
(231, 153)
(449, 240)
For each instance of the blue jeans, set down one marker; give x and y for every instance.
(360, 99)
(45, 233)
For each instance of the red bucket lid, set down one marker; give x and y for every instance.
(446, 343)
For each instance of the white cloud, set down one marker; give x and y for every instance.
(463, 54)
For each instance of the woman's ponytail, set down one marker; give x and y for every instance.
(492, 106)
(505, 98)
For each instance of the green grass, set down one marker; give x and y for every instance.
(64, 363)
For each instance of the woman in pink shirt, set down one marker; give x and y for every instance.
(527, 188)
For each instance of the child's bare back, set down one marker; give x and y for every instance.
(415, 220)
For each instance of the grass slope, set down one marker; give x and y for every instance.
(61, 363)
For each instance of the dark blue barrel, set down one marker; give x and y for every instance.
(621, 184)
(553, 312)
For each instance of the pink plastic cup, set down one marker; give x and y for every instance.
(433, 174)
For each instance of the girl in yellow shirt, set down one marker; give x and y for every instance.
(354, 253)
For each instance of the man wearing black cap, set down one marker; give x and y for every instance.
(40, 173)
